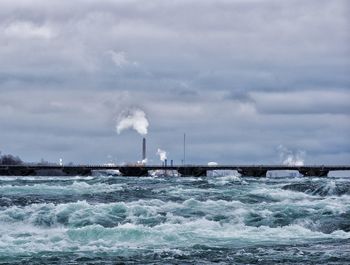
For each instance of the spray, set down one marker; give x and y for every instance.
(290, 157)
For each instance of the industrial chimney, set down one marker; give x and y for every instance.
(143, 148)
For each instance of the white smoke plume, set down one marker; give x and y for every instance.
(162, 154)
(291, 158)
(133, 119)
(142, 162)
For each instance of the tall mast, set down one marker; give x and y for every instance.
(184, 149)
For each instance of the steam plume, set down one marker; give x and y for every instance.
(142, 162)
(291, 158)
(162, 154)
(132, 119)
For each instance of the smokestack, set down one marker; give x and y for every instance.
(143, 148)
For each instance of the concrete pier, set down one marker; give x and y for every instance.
(192, 171)
(77, 171)
(252, 171)
(314, 172)
(133, 171)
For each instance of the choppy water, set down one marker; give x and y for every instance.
(172, 220)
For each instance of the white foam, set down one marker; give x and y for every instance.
(75, 188)
(227, 179)
(157, 224)
(177, 231)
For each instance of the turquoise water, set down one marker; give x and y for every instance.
(172, 220)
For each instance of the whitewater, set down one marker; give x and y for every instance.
(227, 219)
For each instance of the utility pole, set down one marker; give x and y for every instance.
(184, 160)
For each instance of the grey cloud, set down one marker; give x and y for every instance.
(303, 102)
(240, 77)
(231, 131)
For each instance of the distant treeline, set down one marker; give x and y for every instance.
(10, 160)
(6, 159)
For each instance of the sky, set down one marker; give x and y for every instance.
(248, 81)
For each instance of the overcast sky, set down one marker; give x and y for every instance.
(244, 79)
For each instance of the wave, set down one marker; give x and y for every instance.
(57, 188)
(322, 188)
(98, 238)
(135, 214)
(227, 179)
(156, 212)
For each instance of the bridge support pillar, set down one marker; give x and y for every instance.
(313, 172)
(17, 172)
(192, 171)
(77, 171)
(252, 172)
(133, 171)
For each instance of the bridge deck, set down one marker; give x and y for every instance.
(184, 170)
(177, 167)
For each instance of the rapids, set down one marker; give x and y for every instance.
(156, 220)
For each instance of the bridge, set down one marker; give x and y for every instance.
(183, 170)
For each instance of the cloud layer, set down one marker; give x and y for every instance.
(239, 77)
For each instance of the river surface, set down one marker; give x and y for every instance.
(172, 220)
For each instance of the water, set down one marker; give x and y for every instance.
(173, 220)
